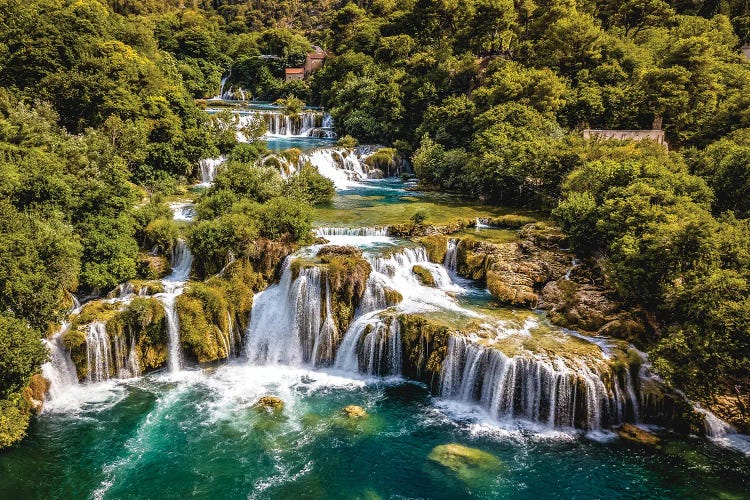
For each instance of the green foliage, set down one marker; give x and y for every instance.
(310, 186)
(249, 180)
(21, 354)
(14, 419)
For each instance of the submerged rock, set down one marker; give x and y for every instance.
(638, 435)
(269, 404)
(469, 464)
(354, 411)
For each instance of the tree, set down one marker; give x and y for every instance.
(21, 354)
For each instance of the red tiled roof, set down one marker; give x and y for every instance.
(294, 71)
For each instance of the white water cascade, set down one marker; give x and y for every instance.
(372, 344)
(98, 353)
(291, 323)
(60, 371)
(451, 255)
(280, 124)
(558, 392)
(325, 232)
(343, 166)
(209, 166)
(174, 284)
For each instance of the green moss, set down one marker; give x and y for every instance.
(425, 345)
(200, 337)
(392, 297)
(510, 221)
(385, 160)
(292, 155)
(152, 267)
(436, 246)
(424, 275)
(358, 211)
(347, 272)
(142, 320)
(506, 294)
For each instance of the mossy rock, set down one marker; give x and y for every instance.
(392, 297)
(152, 267)
(425, 345)
(354, 411)
(637, 435)
(269, 404)
(468, 464)
(424, 275)
(436, 246)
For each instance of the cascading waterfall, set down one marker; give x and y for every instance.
(482, 223)
(174, 284)
(351, 231)
(280, 124)
(451, 255)
(209, 167)
(183, 211)
(109, 357)
(344, 167)
(98, 353)
(558, 392)
(60, 371)
(292, 322)
(372, 346)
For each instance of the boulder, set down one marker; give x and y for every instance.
(355, 412)
(424, 275)
(469, 464)
(637, 435)
(269, 404)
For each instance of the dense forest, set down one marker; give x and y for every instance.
(100, 120)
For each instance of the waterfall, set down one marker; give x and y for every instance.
(174, 284)
(208, 170)
(482, 223)
(60, 371)
(344, 167)
(351, 231)
(558, 392)
(451, 255)
(98, 353)
(280, 124)
(372, 346)
(183, 211)
(292, 322)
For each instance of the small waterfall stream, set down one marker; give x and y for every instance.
(174, 284)
(60, 371)
(208, 167)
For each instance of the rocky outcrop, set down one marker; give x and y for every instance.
(270, 405)
(346, 271)
(425, 345)
(514, 272)
(137, 328)
(354, 411)
(213, 315)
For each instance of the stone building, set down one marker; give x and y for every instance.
(625, 135)
(294, 74)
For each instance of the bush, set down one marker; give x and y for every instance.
(21, 354)
(285, 217)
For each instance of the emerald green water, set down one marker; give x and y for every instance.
(197, 435)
